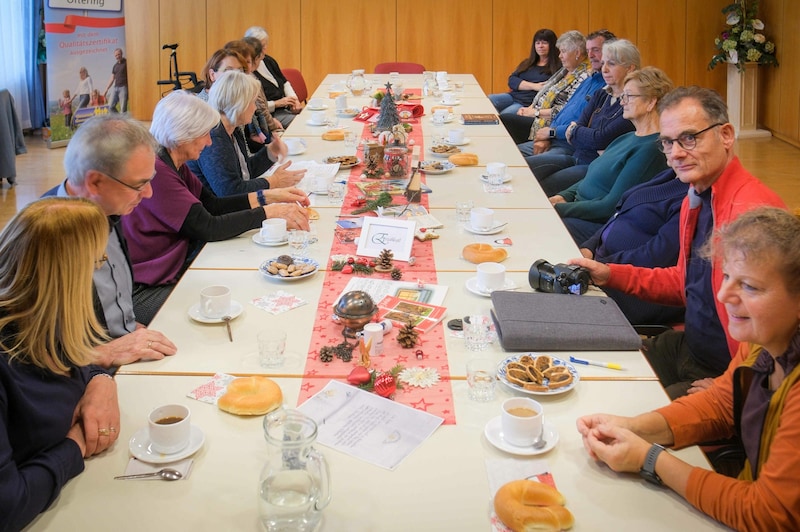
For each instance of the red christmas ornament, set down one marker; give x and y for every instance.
(359, 375)
(372, 264)
(347, 268)
(363, 260)
(385, 384)
(351, 260)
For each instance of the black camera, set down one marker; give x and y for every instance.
(558, 278)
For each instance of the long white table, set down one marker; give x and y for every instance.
(443, 485)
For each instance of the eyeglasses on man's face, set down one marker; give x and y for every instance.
(137, 188)
(687, 141)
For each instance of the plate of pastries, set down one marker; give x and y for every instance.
(536, 374)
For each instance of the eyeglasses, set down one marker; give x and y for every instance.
(626, 97)
(98, 263)
(687, 141)
(137, 188)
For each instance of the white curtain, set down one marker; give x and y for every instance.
(15, 17)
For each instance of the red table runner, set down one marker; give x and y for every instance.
(436, 399)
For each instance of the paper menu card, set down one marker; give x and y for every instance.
(367, 426)
(402, 311)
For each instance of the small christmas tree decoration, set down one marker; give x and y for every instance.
(407, 337)
(397, 274)
(384, 262)
(388, 116)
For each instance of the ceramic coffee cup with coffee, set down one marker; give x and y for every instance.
(521, 420)
(169, 428)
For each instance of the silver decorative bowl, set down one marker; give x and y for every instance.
(354, 310)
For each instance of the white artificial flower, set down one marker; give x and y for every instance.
(733, 19)
(733, 56)
(759, 38)
(757, 24)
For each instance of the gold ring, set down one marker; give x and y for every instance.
(149, 344)
(113, 429)
(104, 432)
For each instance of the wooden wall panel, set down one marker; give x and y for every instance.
(143, 55)
(228, 20)
(617, 16)
(513, 30)
(182, 22)
(779, 91)
(704, 21)
(342, 36)
(662, 36)
(451, 35)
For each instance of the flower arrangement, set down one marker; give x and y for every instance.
(742, 42)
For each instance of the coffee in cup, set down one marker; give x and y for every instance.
(521, 421)
(169, 428)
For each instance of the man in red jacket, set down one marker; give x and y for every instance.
(698, 142)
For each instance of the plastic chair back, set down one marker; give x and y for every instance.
(295, 77)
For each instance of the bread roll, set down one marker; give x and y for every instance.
(525, 505)
(463, 159)
(251, 396)
(333, 134)
(477, 253)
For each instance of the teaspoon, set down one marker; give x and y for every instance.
(166, 474)
(540, 441)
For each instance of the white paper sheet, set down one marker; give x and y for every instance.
(367, 426)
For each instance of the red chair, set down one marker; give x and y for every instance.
(399, 67)
(295, 77)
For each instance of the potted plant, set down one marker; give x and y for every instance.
(742, 41)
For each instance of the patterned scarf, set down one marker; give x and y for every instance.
(557, 92)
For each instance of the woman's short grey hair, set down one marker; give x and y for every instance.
(104, 143)
(572, 41)
(623, 52)
(181, 117)
(258, 32)
(232, 92)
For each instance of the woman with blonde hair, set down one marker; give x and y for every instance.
(227, 166)
(49, 416)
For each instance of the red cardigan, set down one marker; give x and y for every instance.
(734, 192)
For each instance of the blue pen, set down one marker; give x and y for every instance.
(609, 365)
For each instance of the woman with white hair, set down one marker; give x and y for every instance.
(167, 229)
(281, 97)
(227, 166)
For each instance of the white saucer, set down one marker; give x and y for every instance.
(485, 178)
(493, 231)
(462, 143)
(270, 243)
(322, 107)
(316, 124)
(140, 447)
(194, 313)
(494, 433)
(472, 286)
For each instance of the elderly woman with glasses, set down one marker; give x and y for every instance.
(601, 122)
(631, 159)
(228, 166)
(166, 230)
(56, 406)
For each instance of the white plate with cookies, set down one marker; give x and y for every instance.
(536, 374)
(281, 269)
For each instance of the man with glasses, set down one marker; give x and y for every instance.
(698, 141)
(111, 161)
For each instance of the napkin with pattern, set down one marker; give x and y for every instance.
(278, 302)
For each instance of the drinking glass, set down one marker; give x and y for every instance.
(476, 333)
(481, 379)
(298, 240)
(463, 210)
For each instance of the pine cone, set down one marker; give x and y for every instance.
(326, 353)
(397, 274)
(407, 337)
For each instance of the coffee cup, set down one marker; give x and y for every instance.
(372, 335)
(273, 230)
(294, 146)
(170, 428)
(315, 103)
(521, 421)
(449, 97)
(318, 118)
(215, 301)
(481, 218)
(456, 136)
(491, 276)
(341, 102)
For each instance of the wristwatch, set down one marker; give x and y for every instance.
(648, 470)
(552, 133)
(260, 197)
(536, 113)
